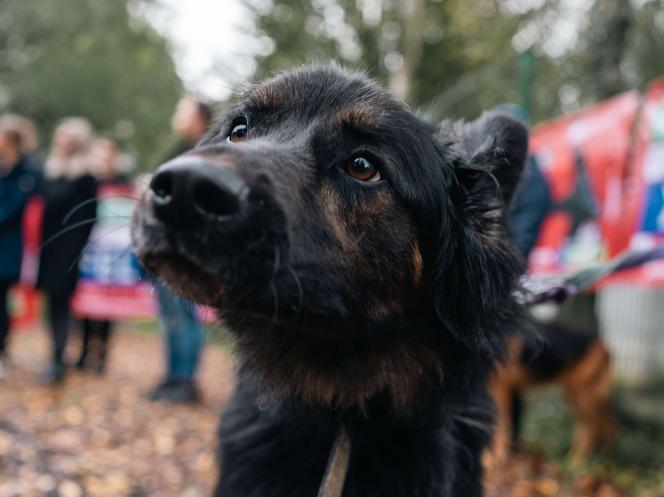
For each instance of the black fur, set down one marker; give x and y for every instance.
(376, 305)
(557, 348)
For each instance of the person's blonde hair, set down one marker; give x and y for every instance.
(77, 164)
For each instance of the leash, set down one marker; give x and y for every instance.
(559, 288)
(332, 484)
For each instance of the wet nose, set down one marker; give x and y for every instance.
(192, 190)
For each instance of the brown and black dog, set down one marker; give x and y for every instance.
(577, 361)
(359, 257)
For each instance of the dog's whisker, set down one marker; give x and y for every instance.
(275, 311)
(474, 423)
(300, 291)
(273, 288)
(97, 199)
(67, 230)
(95, 240)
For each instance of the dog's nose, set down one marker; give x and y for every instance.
(191, 190)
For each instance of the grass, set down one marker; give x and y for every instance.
(213, 332)
(635, 460)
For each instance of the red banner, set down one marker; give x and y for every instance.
(111, 284)
(605, 168)
(24, 300)
(642, 219)
(584, 157)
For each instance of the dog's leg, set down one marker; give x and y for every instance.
(589, 387)
(517, 407)
(501, 391)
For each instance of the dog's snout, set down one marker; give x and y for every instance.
(192, 189)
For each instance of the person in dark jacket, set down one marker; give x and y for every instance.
(17, 183)
(532, 201)
(531, 204)
(183, 332)
(97, 332)
(70, 211)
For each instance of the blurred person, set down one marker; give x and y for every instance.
(17, 183)
(532, 201)
(183, 332)
(26, 128)
(190, 122)
(104, 157)
(567, 354)
(69, 213)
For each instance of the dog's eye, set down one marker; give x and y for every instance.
(239, 132)
(362, 169)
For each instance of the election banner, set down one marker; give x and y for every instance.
(643, 203)
(583, 157)
(111, 285)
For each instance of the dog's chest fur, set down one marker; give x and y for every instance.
(280, 447)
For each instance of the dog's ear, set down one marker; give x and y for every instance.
(477, 265)
(494, 150)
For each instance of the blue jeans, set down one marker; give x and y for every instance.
(183, 333)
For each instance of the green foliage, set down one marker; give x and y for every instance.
(88, 58)
(458, 58)
(635, 460)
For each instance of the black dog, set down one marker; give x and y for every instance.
(359, 257)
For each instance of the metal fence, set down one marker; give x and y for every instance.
(631, 320)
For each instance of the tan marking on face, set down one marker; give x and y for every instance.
(221, 161)
(332, 215)
(357, 117)
(364, 213)
(267, 95)
(418, 265)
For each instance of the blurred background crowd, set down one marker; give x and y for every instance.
(59, 204)
(143, 79)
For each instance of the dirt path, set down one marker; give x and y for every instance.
(98, 436)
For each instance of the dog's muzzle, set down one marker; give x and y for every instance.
(191, 191)
(203, 224)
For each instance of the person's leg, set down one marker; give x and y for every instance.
(4, 324)
(186, 342)
(104, 332)
(183, 340)
(4, 316)
(184, 336)
(59, 320)
(85, 343)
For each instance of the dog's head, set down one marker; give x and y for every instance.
(344, 240)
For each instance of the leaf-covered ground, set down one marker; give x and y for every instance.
(99, 436)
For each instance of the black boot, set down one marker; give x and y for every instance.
(81, 363)
(178, 391)
(54, 374)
